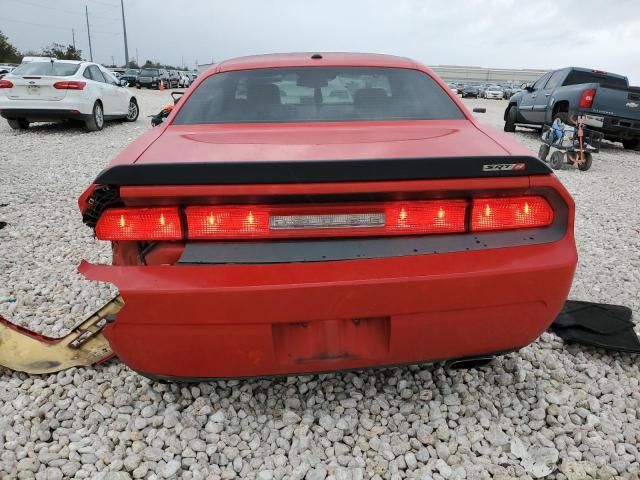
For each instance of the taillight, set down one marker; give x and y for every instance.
(5, 84)
(262, 221)
(586, 99)
(140, 224)
(510, 213)
(69, 85)
(422, 217)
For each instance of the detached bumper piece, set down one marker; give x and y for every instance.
(597, 325)
(29, 352)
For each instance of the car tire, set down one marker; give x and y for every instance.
(588, 159)
(133, 111)
(510, 122)
(138, 87)
(631, 144)
(18, 123)
(556, 160)
(96, 121)
(543, 152)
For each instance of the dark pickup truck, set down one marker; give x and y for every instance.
(610, 105)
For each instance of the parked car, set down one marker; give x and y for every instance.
(185, 80)
(251, 239)
(153, 77)
(131, 76)
(507, 91)
(4, 69)
(471, 91)
(607, 101)
(174, 79)
(494, 92)
(453, 87)
(64, 90)
(193, 76)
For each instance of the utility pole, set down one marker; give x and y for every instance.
(73, 34)
(137, 58)
(86, 11)
(124, 29)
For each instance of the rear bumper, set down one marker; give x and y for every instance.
(43, 114)
(614, 128)
(213, 321)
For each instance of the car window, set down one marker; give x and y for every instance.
(96, 74)
(58, 69)
(109, 77)
(577, 77)
(317, 94)
(87, 73)
(149, 72)
(541, 81)
(555, 79)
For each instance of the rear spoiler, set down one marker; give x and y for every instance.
(316, 171)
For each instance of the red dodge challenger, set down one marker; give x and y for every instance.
(317, 212)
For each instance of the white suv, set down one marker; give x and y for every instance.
(65, 89)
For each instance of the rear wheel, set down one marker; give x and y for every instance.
(543, 152)
(586, 165)
(556, 160)
(510, 122)
(631, 144)
(96, 122)
(18, 123)
(133, 111)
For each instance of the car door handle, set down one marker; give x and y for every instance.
(547, 94)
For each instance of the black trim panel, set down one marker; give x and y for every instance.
(261, 172)
(42, 114)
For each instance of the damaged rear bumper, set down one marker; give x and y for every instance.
(216, 321)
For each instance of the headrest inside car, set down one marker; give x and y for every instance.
(263, 94)
(369, 97)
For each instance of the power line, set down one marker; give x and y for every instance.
(57, 28)
(69, 12)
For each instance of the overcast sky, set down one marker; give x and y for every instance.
(489, 33)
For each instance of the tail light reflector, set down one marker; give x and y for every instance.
(509, 213)
(5, 84)
(586, 99)
(424, 217)
(140, 224)
(261, 221)
(69, 85)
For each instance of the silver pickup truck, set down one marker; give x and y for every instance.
(610, 105)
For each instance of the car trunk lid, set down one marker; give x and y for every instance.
(36, 87)
(314, 141)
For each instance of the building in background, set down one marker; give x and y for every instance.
(463, 74)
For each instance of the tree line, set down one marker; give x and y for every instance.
(10, 54)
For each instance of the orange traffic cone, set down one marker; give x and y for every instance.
(161, 86)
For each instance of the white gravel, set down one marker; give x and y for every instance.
(549, 410)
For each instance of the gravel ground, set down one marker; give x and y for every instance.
(547, 411)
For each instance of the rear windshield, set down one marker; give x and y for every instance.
(58, 69)
(131, 72)
(576, 77)
(146, 71)
(317, 94)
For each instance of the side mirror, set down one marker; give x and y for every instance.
(124, 83)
